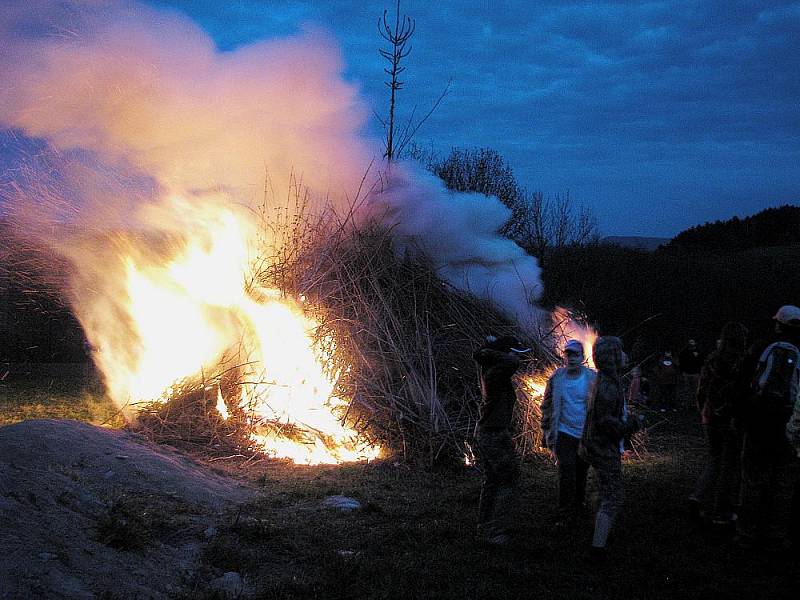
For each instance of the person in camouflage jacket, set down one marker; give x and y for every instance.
(606, 426)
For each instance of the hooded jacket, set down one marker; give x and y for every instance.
(497, 390)
(605, 416)
(717, 388)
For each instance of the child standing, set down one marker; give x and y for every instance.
(606, 426)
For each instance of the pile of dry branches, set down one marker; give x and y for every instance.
(399, 338)
(398, 341)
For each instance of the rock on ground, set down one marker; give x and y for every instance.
(341, 503)
(87, 511)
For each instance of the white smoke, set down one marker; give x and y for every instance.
(460, 231)
(119, 86)
(147, 88)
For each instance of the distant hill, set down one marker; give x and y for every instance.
(639, 243)
(768, 228)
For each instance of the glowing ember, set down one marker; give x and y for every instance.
(534, 385)
(185, 314)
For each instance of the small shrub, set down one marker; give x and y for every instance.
(122, 529)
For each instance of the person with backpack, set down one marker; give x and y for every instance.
(497, 360)
(793, 435)
(716, 490)
(770, 468)
(601, 443)
(563, 416)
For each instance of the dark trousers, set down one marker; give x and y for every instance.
(612, 496)
(719, 484)
(572, 471)
(690, 382)
(667, 395)
(770, 478)
(498, 460)
(794, 520)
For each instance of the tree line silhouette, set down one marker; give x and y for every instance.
(739, 269)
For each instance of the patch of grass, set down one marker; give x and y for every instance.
(226, 552)
(122, 528)
(67, 397)
(413, 538)
(134, 522)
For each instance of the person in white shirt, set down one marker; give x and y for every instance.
(563, 416)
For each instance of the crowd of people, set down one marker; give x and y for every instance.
(747, 398)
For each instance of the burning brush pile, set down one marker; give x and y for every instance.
(347, 350)
(322, 328)
(279, 331)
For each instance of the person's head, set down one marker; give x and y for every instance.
(787, 319)
(573, 354)
(609, 358)
(692, 344)
(733, 338)
(636, 371)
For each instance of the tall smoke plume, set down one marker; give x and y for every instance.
(152, 127)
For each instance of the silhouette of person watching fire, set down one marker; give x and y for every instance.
(497, 360)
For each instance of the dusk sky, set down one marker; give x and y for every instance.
(657, 115)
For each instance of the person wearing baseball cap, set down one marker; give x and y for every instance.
(563, 416)
(788, 316)
(497, 360)
(770, 416)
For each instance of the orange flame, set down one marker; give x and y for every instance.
(186, 313)
(568, 328)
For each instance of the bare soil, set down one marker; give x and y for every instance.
(90, 512)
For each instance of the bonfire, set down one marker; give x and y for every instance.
(351, 351)
(308, 338)
(342, 332)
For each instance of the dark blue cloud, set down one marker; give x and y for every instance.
(658, 115)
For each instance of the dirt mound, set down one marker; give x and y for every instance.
(86, 511)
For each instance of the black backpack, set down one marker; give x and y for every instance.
(777, 380)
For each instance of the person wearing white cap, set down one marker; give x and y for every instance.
(563, 416)
(770, 467)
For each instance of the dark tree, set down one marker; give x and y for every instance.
(768, 228)
(397, 35)
(538, 222)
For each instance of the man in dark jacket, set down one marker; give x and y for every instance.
(770, 467)
(717, 488)
(497, 361)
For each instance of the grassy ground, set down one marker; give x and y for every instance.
(412, 538)
(43, 395)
